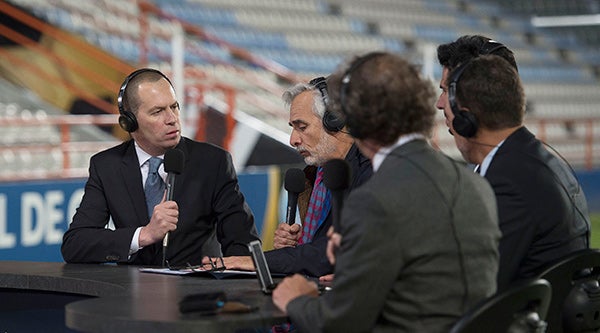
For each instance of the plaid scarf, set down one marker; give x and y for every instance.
(318, 207)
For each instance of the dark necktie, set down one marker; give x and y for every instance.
(154, 187)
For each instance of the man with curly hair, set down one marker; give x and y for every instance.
(418, 241)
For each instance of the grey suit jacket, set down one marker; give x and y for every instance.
(419, 247)
(213, 214)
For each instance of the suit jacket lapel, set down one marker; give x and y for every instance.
(132, 178)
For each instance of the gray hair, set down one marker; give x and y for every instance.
(291, 93)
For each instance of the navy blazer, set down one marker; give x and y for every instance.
(310, 259)
(542, 209)
(213, 214)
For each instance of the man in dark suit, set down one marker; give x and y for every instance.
(419, 238)
(542, 209)
(208, 214)
(319, 136)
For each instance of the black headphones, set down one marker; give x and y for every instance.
(352, 123)
(127, 119)
(332, 122)
(465, 123)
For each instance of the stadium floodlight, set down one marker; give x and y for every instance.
(565, 20)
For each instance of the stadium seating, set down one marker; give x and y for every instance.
(312, 37)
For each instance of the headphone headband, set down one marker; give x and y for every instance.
(452, 86)
(345, 86)
(127, 119)
(348, 76)
(490, 47)
(332, 122)
(464, 123)
(320, 83)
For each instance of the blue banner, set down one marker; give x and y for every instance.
(35, 215)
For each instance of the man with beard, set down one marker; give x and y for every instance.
(319, 135)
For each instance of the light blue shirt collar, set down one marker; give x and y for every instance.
(485, 164)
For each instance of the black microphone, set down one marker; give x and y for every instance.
(336, 177)
(173, 165)
(294, 184)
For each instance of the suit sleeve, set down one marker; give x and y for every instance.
(88, 240)
(235, 227)
(309, 259)
(528, 206)
(361, 281)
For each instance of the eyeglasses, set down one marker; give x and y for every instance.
(215, 264)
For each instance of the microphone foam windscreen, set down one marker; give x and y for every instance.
(336, 174)
(174, 159)
(294, 180)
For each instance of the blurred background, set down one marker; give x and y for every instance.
(62, 63)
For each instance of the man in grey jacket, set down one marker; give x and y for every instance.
(419, 239)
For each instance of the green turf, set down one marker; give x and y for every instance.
(595, 241)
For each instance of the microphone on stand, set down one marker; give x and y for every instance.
(336, 177)
(294, 184)
(173, 165)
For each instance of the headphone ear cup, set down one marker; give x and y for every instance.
(465, 124)
(333, 122)
(128, 122)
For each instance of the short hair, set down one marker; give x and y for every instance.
(386, 97)
(318, 106)
(468, 47)
(491, 89)
(131, 100)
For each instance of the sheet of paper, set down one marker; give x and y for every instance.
(197, 271)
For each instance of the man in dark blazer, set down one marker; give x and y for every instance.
(542, 209)
(419, 238)
(208, 214)
(318, 141)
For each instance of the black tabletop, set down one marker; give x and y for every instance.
(125, 299)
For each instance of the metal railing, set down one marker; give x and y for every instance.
(585, 140)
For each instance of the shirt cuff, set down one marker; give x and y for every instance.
(135, 242)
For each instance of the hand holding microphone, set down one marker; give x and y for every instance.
(288, 233)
